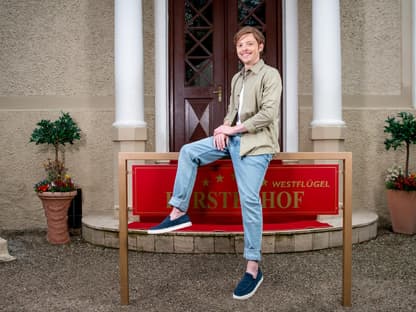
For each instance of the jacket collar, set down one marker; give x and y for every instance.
(255, 69)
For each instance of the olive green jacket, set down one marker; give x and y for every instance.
(261, 108)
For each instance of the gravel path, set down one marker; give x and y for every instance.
(83, 277)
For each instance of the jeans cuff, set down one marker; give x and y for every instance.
(177, 203)
(252, 255)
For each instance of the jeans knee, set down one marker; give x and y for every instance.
(185, 151)
(188, 153)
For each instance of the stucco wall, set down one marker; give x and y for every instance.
(56, 48)
(55, 55)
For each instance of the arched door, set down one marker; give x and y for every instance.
(202, 59)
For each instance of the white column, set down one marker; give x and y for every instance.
(130, 129)
(161, 75)
(290, 74)
(326, 63)
(128, 65)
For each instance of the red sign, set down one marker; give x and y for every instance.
(288, 190)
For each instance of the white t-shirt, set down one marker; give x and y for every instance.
(240, 104)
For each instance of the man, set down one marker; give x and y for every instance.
(249, 136)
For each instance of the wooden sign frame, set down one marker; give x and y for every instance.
(345, 157)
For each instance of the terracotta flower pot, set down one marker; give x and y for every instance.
(56, 206)
(402, 207)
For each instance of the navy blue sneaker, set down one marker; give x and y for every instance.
(169, 225)
(247, 286)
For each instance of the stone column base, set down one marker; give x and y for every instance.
(328, 138)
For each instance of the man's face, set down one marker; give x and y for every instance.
(248, 50)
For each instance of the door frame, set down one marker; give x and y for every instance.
(288, 16)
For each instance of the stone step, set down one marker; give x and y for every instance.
(102, 229)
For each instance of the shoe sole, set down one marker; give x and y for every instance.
(170, 229)
(249, 294)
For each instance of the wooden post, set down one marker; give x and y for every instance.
(347, 233)
(123, 231)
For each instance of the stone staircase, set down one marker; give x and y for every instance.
(102, 229)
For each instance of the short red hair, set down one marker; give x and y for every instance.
(257, 34)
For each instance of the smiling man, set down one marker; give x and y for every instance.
(249, 136)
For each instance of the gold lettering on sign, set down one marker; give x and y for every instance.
(199, 198)
(283, 200)
(236, 200)
(212, 200)
(279, 200)
(301, 184)
(297, 195)
(225, 199)
(267, 199)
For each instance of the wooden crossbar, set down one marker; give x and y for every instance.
(345, 157)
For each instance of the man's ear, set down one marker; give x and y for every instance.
(261, 47)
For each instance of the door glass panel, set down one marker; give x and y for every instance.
(252, 13)
(198, 43)
(198, 72)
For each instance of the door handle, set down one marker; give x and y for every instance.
(218, 92)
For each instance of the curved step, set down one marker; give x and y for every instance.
(102, 229)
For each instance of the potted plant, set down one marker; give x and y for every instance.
(401, 183)
(57, 189)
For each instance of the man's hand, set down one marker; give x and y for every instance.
(222, 133)
(220, 141)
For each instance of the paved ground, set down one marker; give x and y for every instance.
(83, 277)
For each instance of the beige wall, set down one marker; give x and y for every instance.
(55, 55)
(58, 55)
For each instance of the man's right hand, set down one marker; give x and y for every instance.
(220, 141)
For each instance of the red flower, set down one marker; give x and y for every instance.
(43, 188)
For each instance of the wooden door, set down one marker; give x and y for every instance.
(202, 59)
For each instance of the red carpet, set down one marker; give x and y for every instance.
(295, 225)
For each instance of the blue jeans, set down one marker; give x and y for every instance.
(249, 172)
